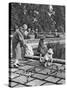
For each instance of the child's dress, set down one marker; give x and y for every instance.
(29, 50)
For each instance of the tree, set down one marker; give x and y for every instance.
(36, 16)
(59, 16)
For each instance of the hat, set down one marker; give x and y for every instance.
(50, 51)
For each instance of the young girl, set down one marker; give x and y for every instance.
(45, 53)
(42, 48)
(29, 50)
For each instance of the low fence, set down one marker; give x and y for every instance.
(59, 50)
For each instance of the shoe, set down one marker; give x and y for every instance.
(16, 66)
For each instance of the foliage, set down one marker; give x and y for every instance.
(27, 13)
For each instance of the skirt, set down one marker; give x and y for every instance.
(18, 52)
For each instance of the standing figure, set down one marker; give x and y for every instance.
(18, 45)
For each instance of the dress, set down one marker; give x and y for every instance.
(17, 45)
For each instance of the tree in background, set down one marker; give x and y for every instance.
(60, 17)
(36, 16)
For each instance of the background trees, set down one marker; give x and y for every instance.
(36, 16)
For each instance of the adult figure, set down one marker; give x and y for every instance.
(18, 44)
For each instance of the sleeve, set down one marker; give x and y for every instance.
(22, 42)
(21, 39)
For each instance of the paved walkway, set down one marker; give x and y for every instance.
(32, 73)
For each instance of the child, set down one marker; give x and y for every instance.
(42, 48)
(29, 50)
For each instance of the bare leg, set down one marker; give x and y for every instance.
(18, 54)
(40, 57)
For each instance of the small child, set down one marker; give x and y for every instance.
(42, 48)
(29, 50)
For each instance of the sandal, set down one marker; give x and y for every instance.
(15, 66)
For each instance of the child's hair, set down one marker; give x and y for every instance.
(49, 45)
(41, 41)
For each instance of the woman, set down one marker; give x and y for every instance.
(18, 45)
